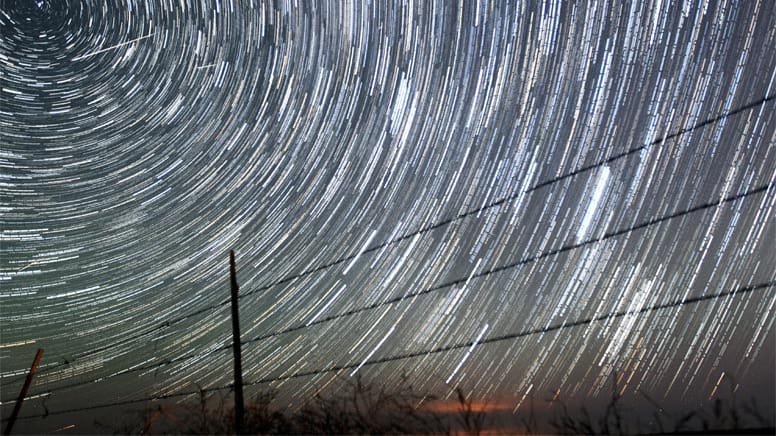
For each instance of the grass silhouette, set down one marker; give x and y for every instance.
(359, 407)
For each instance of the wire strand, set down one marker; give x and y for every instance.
(429, 290)
(608, 160)
(510, 336)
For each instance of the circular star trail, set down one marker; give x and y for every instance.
(512, 197)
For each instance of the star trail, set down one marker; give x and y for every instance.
(512, 197)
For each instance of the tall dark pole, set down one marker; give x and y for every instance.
(23, 393)
(239, 406)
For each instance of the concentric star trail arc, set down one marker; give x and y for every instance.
(509, 197)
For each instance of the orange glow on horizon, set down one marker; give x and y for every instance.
(453, 406)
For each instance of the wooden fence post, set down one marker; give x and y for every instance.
(239, 405)
(23, 393)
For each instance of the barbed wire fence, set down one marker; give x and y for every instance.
(504, 336)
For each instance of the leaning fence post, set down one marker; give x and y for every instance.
(23, 393)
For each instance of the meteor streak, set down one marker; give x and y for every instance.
(77, 58)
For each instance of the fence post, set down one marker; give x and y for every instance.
(23, 393)
(239, 405)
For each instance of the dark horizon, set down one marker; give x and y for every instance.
(537, 414)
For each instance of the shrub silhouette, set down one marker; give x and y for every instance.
(357, 407)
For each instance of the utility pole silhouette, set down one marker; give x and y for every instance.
(239, 405)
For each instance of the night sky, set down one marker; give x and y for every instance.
(518, 198)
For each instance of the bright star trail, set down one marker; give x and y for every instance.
(517, 198)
